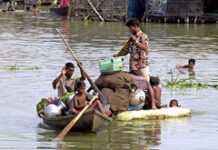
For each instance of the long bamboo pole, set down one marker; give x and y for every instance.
(80, 66)
(70, 125)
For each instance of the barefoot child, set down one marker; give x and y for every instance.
(81, 99)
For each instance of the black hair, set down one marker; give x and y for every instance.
(132, 22)
(191, 61)
(28, 8)
(133, 87)
(69, 65)
(80, 84)
(34, 5)
(154, 81)
(174, 100)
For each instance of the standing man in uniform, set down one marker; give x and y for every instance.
(65, 82)
(137, 47)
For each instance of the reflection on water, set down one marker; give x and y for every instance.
(120, 135)
(33, 42)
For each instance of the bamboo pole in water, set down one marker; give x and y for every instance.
(72, 123)
(95, 10)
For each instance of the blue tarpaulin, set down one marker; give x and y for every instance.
(136, 9)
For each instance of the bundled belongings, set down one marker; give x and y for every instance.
(53, 110)
(119, 87)
(56, 114)
(151, 95)
(70, 103)
(137, 99)
(116, 87)
(53, 106)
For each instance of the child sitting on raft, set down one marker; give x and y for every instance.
(81, 99)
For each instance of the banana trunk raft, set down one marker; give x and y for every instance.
(163, 113)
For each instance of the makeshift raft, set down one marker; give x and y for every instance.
(163, 113)
(91, 121)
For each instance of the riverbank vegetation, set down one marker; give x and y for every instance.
(19, 68)
(188, 83)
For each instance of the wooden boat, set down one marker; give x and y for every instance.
(91, 121)
(61, 11)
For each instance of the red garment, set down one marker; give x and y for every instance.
(65, 3)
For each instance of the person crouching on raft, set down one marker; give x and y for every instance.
(137, 47)
(156, 86)
(65, 81)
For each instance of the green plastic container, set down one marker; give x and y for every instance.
(111, 65)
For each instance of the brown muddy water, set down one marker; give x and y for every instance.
(32, 54)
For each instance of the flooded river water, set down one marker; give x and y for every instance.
(32, 54)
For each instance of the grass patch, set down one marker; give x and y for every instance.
(188, 83)
(19, 68)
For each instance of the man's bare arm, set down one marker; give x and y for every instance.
(124, 51)
(55, 81)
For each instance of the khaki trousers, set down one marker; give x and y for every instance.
(146, 73)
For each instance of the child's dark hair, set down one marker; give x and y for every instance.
(79, 85)
(154, 81)
(69, 65)
(174, 101)
(193, 61)
(132, 22)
